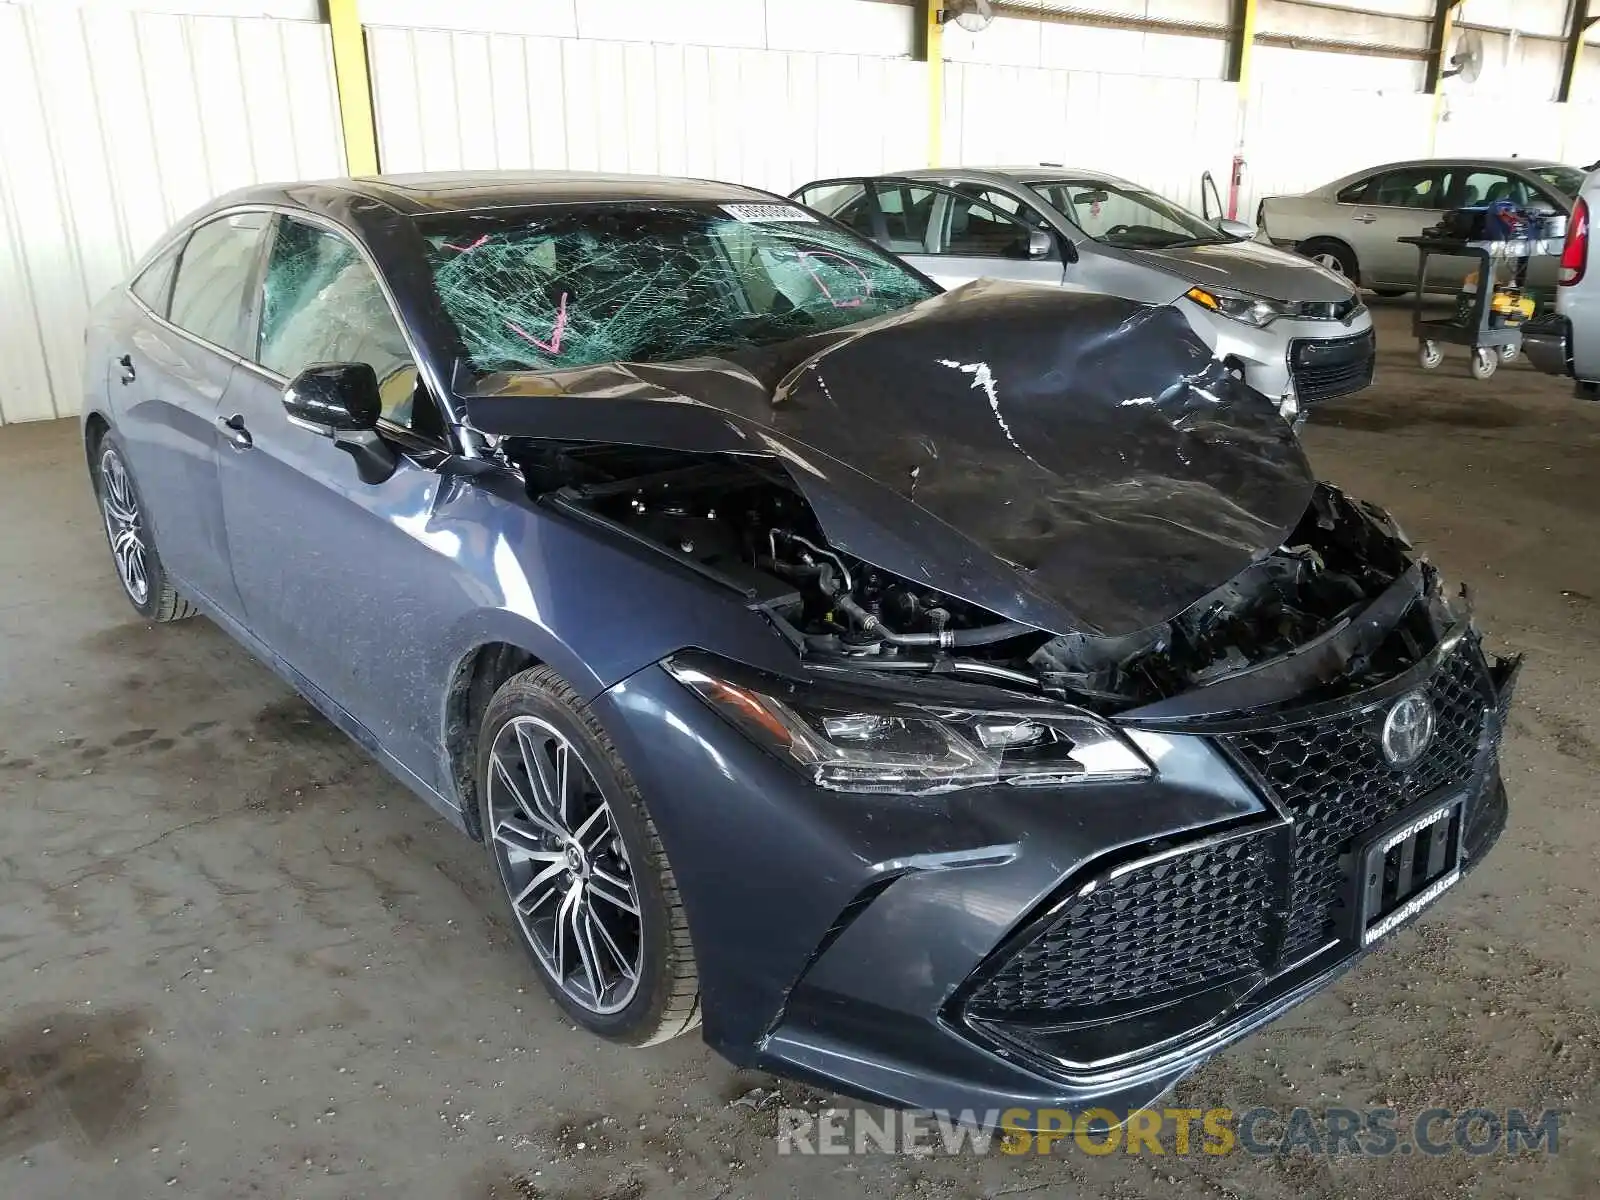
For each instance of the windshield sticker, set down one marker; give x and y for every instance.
(767, 214)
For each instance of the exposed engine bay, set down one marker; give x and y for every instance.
(742, 522)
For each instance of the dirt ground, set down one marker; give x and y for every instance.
(239, 960)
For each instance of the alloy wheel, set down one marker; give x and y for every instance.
(1332, 261)
(124, 525)
(564, 865)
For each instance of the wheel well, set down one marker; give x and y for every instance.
(476, 679)
(95, 427)
(1308, 247)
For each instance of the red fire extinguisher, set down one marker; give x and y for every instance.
(1235, 183)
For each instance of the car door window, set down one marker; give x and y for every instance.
(1008, 204)
(975, 228)
(1411, 187)
(154, 285)
(322, 303)
(906, 209)
(1470, 188)
(214, 274)
(830, 199)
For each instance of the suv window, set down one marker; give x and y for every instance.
(213, 275)
(975, 227)
(1411, 187)
(154, 285)
(322, 303)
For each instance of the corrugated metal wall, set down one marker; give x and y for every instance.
(1157, 131)
(115, 125)
(774, 119)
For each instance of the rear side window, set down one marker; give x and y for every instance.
(214, 275)
(154, 285)
(1355, 193)
(1413, 187)
(906, 212)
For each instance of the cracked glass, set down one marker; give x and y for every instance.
(634, 283)
(321, 303)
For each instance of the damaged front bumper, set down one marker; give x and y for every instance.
(973, 950)
(1297, 363)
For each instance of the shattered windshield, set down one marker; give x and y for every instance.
(539, 290)
(1127, 217)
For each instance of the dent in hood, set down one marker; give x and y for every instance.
(1254, 268)
(1075, 462)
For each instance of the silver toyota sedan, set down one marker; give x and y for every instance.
(1351, 225)
(1291, 329)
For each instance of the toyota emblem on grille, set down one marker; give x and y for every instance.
(1407, 729)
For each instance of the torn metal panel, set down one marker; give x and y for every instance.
(1085, 465)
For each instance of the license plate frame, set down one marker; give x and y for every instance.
(1408, 864)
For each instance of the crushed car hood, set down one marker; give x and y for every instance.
(1253, 268)
(1075, 462)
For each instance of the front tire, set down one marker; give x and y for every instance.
(133, 548)
(593, 897)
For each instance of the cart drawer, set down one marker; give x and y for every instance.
(1323, 368)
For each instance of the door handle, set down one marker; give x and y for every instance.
(1366, 218)
(238, 436)
(128, 373)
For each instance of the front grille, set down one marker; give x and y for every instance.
(1334, 784)
(1330, 310)
(1174, 925)
(1323, 368)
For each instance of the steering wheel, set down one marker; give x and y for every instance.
(1116, 229)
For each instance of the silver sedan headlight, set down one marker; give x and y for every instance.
(1251, 310)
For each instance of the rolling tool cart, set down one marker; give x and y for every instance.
(1489, 313)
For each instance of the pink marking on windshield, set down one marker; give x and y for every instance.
(850, 302)
(553, 346)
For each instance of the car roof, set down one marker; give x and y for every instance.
(1513, 164)
(460, 191)
(1033, 174)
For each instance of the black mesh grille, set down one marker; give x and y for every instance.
(1323, 369)
(1179, 923)
(1334, 784)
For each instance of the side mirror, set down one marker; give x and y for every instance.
(341, 401)
(334, 398)
(1241, 231)
(1039, 243)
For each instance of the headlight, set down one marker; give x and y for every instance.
(851, 743)
(1252, 310)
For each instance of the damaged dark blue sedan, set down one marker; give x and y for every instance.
(960, 700)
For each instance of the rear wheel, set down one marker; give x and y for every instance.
(593, 896)
(1334, 255)
(133, 549)
(1485, 362)
(1429, 356)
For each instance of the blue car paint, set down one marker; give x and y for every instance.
(368, 598)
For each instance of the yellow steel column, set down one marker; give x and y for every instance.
(355, 86)
(1444, 20)
(1242, 43)
(930, 49)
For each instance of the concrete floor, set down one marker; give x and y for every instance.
(240, 961)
